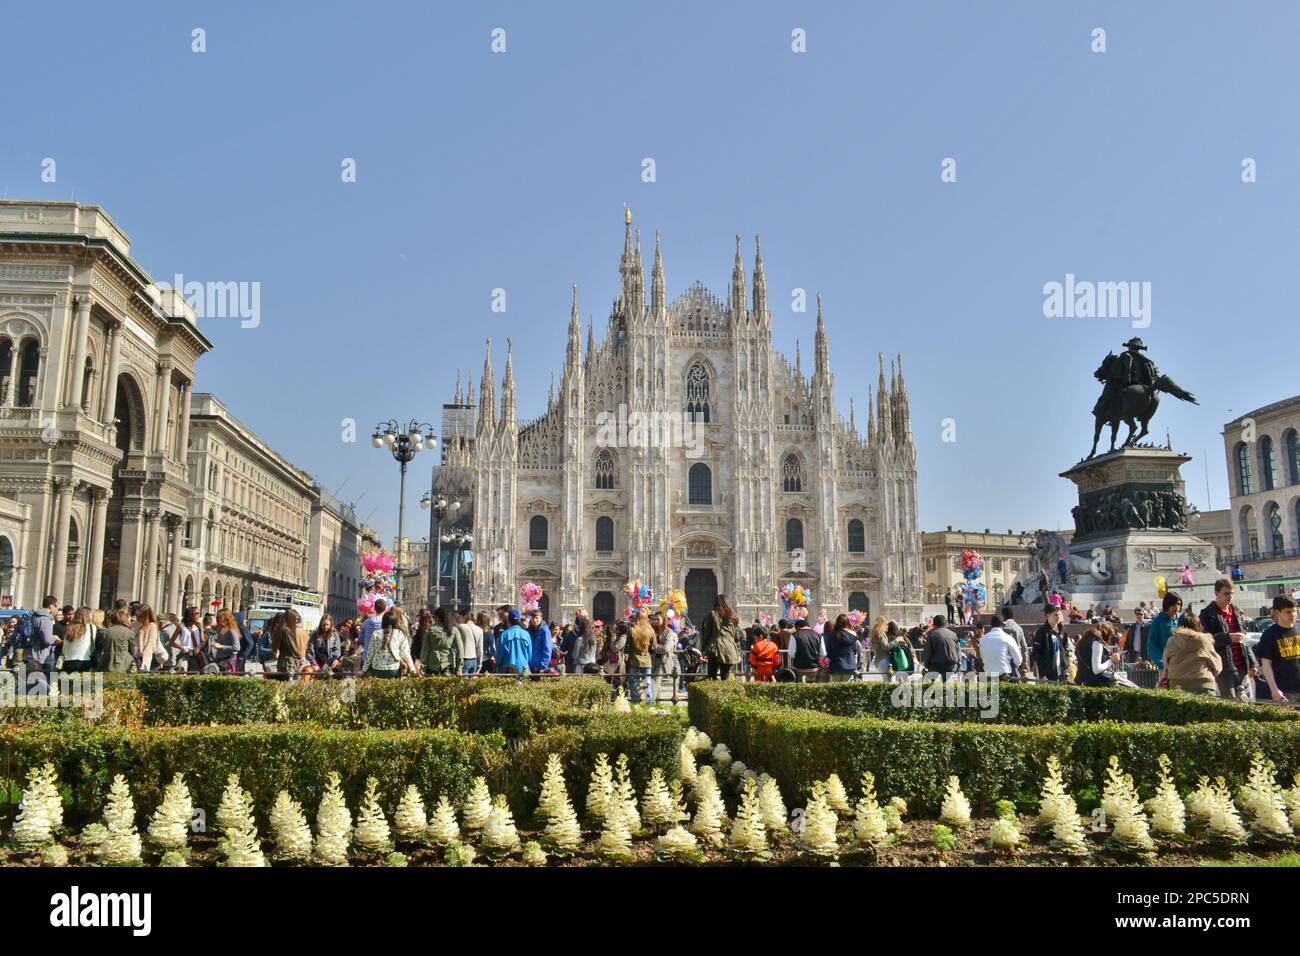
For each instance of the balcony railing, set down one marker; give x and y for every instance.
(1262, 555)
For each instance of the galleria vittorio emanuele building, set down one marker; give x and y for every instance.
(683, 451)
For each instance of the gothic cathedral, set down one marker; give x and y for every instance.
(683, 451)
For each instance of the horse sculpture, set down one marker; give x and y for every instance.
(1134, 405)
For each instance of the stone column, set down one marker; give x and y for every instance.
(163, 386)
(10, 396)
(95, 561)
(182, 451)
(62, 526)
(82, 342)
(108, 400)
(174, 525)
(150, 558)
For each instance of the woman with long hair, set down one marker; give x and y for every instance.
(718, 639)
(289, 643)
(423, 621)
(639, 660)
(1191, 660)
(439, 654)
(842, 650)
(146, 638)
(78, 642)
(390, 650)
(225, 646)
(326, 647)
(881, 645)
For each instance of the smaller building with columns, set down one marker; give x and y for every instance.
(1262, 449)
(96, 365)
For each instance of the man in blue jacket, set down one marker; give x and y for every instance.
(540, 631)
(514, 646)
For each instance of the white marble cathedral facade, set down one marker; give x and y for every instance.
(774, 486)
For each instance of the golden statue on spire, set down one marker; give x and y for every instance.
(627, 214)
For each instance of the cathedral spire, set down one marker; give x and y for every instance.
(886, 415)
(508, 387)
(738, 286)
(822, 350)
(573, 354)
(550, 393)
(657, 303)
(871, 418)
(458, 399)
(853, 417)
(487, 401)
(798, 362)
(469, 391)
(760, 283)
(627, 267)
(591, 339)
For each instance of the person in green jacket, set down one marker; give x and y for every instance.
(718, 639)
(440, 651)
(1162, 627)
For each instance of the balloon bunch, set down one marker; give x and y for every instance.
(765, 619)
(530, 596)
(974, 593)
(856, 619)
(639, 594)
(795, 599)
(1161, 586)
(673, 606)
(380, 580)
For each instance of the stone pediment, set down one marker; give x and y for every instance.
(541, 506)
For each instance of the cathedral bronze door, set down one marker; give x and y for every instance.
(701, 591)
(602, 607)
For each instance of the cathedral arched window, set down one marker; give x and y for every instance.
(538, 533)
(791, 473)
(1276, 538)
(793, 534)
(700, 482)
(604, 469)
(857, 537)
(1245, 482)
(697, 393)
(604, 533)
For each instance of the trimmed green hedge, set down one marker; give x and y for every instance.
(1029, 705)
(267, 758)
(913, 758)
(496, 727)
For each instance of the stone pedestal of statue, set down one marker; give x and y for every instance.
(1130, 527)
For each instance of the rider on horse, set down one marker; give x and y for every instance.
(1129, 368)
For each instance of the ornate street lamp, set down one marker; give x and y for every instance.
(458, 541)
(404, 442)
(439, 508)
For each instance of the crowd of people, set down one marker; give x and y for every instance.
(1204, 652)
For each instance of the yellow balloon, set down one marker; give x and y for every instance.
(1160, 585)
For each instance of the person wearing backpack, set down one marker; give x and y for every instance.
(718, 639)
(842, 650)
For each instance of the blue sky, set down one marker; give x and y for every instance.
(479, 170)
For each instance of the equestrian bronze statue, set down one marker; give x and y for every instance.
(1132, 394)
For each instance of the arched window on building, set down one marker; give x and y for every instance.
(29, 365)
(604, 469)
(1249, 536)
(1245, 481)
(857, 537)
(791, 473)
(1267, 464)
(604, 533)
(793, 535)
(1291, 442)
(700, 481)
(1277, 540)
(697, 393)
(6, 567)
(6, 363)
(538, 533)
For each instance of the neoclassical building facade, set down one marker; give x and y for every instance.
(96, 367)
(684, 451)
(1263, 455)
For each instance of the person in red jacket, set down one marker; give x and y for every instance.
(764, 656)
